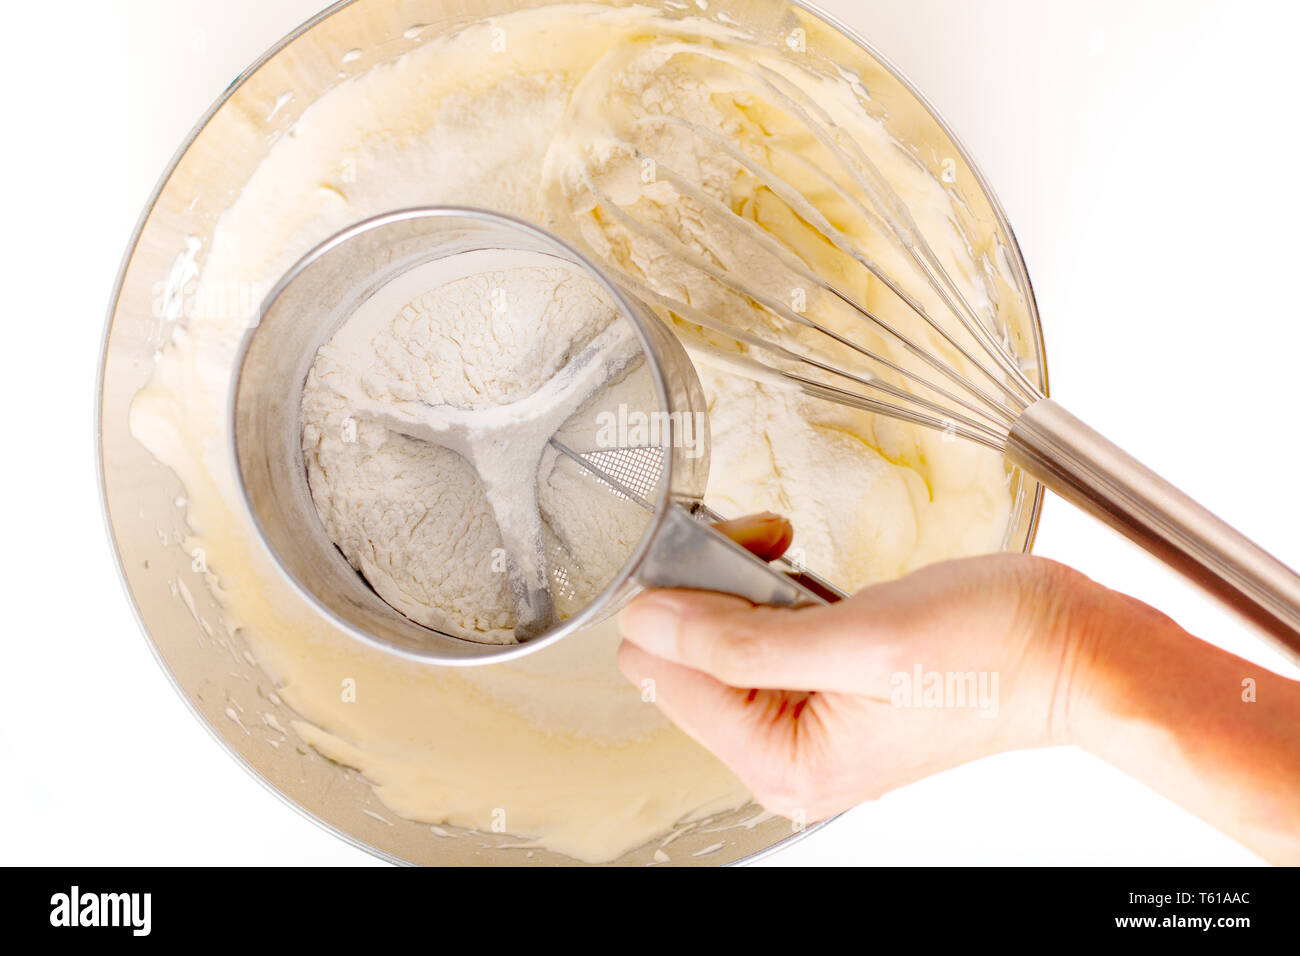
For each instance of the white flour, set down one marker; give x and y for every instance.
(440, 509)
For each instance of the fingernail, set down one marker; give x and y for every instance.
(651, 623)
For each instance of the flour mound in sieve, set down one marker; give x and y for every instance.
(412, 517)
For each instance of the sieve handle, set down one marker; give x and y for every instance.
(686, 553)
(1086, 469)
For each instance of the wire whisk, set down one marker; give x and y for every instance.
(920, 351)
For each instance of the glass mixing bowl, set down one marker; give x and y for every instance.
(213, 671)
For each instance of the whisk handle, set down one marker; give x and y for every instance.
(1088, 470)
(686, 553)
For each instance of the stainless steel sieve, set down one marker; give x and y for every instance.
(317, 296)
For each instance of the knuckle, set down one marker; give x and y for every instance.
(788, 794)
(777, 796)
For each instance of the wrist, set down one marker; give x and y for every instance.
(1121, 653)
(1089, 648)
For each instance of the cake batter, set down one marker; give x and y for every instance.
(557, 748)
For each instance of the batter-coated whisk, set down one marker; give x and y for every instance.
(930, 356)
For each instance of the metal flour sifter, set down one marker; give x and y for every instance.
(677, 548)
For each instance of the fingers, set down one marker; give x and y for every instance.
(766, 535)
(757, 685)
(751, 731)
(977, 614)
(704, 707)
(746, 646)
(657, 624)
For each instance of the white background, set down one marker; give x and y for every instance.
(1146, 153)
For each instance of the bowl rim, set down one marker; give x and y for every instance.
(1013, 250)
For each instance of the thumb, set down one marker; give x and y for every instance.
(766, 535)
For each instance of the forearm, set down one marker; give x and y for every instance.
(1211, 731)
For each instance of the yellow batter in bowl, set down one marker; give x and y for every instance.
(555, 751)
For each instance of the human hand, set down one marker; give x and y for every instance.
(817, 709)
